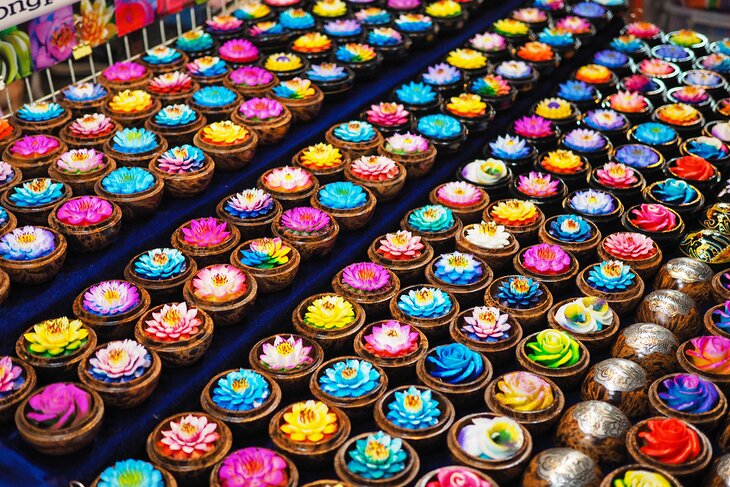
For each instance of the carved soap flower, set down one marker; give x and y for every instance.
(498, 438)
(285, 354)
(388, 114)
(413, 22)
(133, 472)
(681, 114)
(173, 322)
(355, 53)
(584, 315)
(538, 184)
(207, 66)
(458, 269)
(425, 303)
(605, 120)
(636, 155)
(442, 74)
(392, 339)
(366, 277)
(669, 441)
(251, 76)
(354, 132)
(120, 361)
(467, 105)
(238, 51)
(194, 40)
(254, 466)
(585, 140)
(574, 25)
(11, 377)
(59, 406)
(454, 364)
(593, 74)
(554, 109)
(224, 133)
(309, 422)
(7, 173)
(459, 193)
(611, 276)
(241, 390)
(491, 85)
(111, 298)
(57, 337)
(342, 195)
(249, 203)
(443, 8)
(656, 67)
(131, 101)
(514, 213)
(653, 133)
(128, 180)
(205, 232)
(692, 168)
(326, 72)
(219, 283)
(84, 211)
(691, 95)
(265, 253)
(575, 91)
(384, 36)
(349, 378)
(688, 393)
(653, 218)
(488, 42)
(183, 159)
(84, 92)
(40, 111)
(535, 52)
(288, 179)
(556, 37)
(190, 437)
(401, 245)
(377, 457)
(674, 191)
(30, 146)
(616, 175)
(305, 221)
(295, 89)
(593, 202)
(161, 55)
(710, 354)
(554, 349)
(134, 141)
(570, 228)
(329, 312)
(431, 219)
(374, 168)
(484, 171)
(546, 259)
(488, 235)
(708, 148)
(415, 93)
(519, 292)
(510, 147)
(283, 62)
(534, 127)
(414, 409)
(27, 243)
(630, 246)
(408, 143)
(214, 96)
(514, 70)
(312, 42)
(124, 71)
(36, 192)
(91, 125)
(486, 324)
(265, 28)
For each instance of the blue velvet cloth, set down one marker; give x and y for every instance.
(124, 432)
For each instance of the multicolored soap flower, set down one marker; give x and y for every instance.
(498, 438)
(192, 435)
(401, 245)
(131, 101)
(392, 339)
(431, 219)
(354, 131)
(457, 268)
(36, 192)
(205, 232)
(309, 422)
(174, 322)
(584, 315)
(285, 353)
(486, 324)
(249, 203)
(514, 213)
(688, 393)
(135, 141)
(265, 253)
(329, 312)
(570, 228)
(554, 349)
(142, 472)
(710, 354)
(407, 143)
(377, 457)
(219, 283)
(120, 361)
(110, 298)
(538, 184)
(27, 243)
(40, 111)
(57, 337)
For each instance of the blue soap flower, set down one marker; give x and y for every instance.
(570, 228)
(707, 148)
(342, 195)
(556, 38)
(384, 37)
(162, 263)
(214, 96)
(36, 192)
(40, 111)
(134, 141)
(458, 269)
(610, 59)
(251, 203)
(163, 55)
(611, 276)
(295, 19)
(510, 147)
(377, 457)
(208, 69)
(721, 317)
(426, 302)
(674, 191)
(454, 364)
(439, 126)
(373, 16)
(636, 155)
(128, 180)
(407, 24)
(654, 133)
(175, 116)
(519, 292)
(349, 378)
(627, 44)
(131, 473)
(3, 217)
(689, 393)
(194, 41)
(670, 52)
(431, 219)
(355, 131)
(576, 91)
(415, 93)
(241, 390)
(83, 92)
(589, 10)
(414, 409)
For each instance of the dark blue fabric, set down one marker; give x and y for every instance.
(124, 432)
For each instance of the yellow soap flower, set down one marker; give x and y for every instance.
(329, 312)
(129, 101)
(554, 109)
(282, 61)
(467, 105)
(464, 58)
(562, 162)
(320, 156)
(511, 27)
(593, 73)
(641, 478)
(224, 133)
(523, 391)
(57, 336)
(309, 421)
(685, 38)
(330, 8)
(514, 212)
(312, 42)
(678, 114)
(443, 8)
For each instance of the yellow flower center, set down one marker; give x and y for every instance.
(111, 295)
(412, 402)
(239, 385)
(348, 373)
(160, 259)
(520, 285)
(26, 238)
(117, 355)
(219, 280)
(171, 318)
(376, 451)
(284, 348)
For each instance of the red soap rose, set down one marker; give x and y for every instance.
(693, 168)
(670, 441)
(653, 218)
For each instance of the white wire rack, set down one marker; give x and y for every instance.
(74, 66)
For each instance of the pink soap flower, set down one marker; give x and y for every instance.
(710, 354)
(629, 246)
(59, 405)
(191, 435)
(387, 114)
(546, 259)
(10, 376)
(205, 232)
(34, 146)
(124, 71)
(173, 322)
(392, 339)
(84, 211)
(366, 277)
